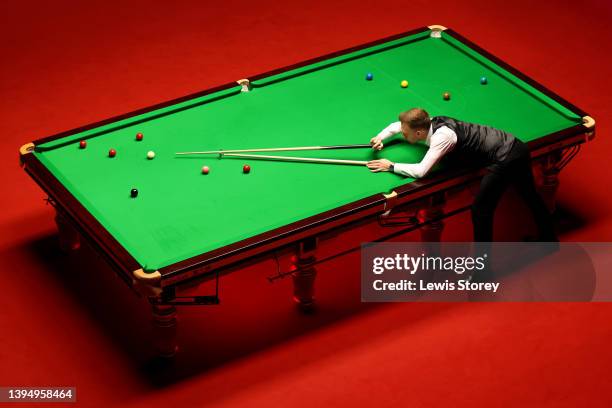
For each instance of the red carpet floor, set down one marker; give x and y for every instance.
(66, 320)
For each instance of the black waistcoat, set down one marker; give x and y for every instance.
(476, 142)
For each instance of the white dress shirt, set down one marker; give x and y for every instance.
(441, 142)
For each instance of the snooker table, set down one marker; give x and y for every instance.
(186, 227)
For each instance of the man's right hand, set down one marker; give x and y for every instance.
(377, 143)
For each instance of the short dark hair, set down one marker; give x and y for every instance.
(415, 118)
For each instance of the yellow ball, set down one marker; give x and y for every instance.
(404, 84)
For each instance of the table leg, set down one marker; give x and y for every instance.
(69, 238)
(550, 179)
(304, 274)
(431, 231)
(164, 330)
(430, 216)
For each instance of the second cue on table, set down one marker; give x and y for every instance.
(295, 159)
(281, 149)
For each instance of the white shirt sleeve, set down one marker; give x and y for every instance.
(393, 129)
(440, 143)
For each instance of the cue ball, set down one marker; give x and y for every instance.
(82, 144)
(134, 193)
(150, 154)
(246, 169)
(369, 76)
(404, 84)
(483, 80)
(139, 136)
(205, 170)
(446, 96)
(112, 153)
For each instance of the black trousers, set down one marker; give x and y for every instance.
(514, 170)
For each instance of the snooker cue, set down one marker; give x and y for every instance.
(281, 149)
(295, 159)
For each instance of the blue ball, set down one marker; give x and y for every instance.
(483, 80)
(369, 76)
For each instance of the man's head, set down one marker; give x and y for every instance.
(415, 124)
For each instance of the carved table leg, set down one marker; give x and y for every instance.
(432, 230)
(164, 330)
(69, 238)
(304, 274)
(550, 179)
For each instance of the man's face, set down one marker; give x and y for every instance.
(411, 135)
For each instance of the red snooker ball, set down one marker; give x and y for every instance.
(246, 169)
(139, 136)
(82, 144)
(205, 170)
(112, 153)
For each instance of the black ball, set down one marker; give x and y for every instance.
(134, 193)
